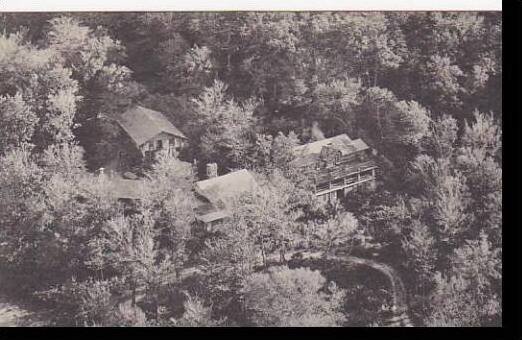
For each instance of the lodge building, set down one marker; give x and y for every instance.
(336, 165)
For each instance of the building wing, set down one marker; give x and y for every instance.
(308, 154)
(220, 192)
(226, 187)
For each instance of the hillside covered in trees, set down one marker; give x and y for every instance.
(424, 89)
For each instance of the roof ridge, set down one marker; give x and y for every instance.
(322, 142)
(142, 123)
(227, 174)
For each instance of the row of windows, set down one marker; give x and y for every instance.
(321, 163)
(159, 144)
(338, 159)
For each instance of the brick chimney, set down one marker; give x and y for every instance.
(212, 170)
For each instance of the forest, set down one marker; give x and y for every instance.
(422, 88)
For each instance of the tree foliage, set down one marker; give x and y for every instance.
(423, 89)
(285, 297)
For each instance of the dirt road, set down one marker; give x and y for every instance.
(399, 316)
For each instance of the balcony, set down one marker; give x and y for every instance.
(352, 179)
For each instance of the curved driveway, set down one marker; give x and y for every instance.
(400, 306)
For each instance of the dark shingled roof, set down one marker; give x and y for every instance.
(141, 124)
(308, 153)
(317, 146)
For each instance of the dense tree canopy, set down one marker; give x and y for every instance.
(423, 89)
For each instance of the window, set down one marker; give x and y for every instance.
(337, 158)
(159, 144)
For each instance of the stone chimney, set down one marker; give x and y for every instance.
(212, 170)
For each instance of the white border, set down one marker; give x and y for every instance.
(248, 5)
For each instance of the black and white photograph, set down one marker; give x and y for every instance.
(251, 169)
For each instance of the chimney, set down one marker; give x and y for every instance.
(212, 170)
(317, 134)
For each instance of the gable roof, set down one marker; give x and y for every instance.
(316, 147)
(308, 153)
(226, 187)
(207, 212)
(220, 191)
(360, 145)
(141, 124)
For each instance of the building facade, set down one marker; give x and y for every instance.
(150, 132)
(336, 166)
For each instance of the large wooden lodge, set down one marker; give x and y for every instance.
(336, 165)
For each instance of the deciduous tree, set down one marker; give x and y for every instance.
(283, 297)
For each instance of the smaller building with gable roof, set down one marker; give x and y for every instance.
(217, 195)
(151, 131)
